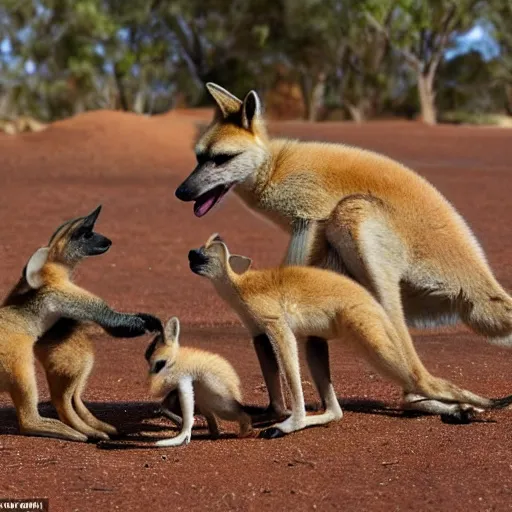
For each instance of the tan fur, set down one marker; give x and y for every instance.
(20, 326)
(45, 304)
(293, 302)
(67, 356)
(215, 383)
(361, 214)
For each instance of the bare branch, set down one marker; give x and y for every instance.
(410, 58)
(437, 54)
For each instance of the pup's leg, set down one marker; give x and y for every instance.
(68, 361)
(285, 345)
(186, 394)
(23, 391)
(83, 411)
(213, 425)
(61, 391)
(232, 410)
(308, 246)
(245, 423)
(170, 408)
(304, 248)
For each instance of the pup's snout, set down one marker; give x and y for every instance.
(105, 242)
(183, 193)
(196, 257)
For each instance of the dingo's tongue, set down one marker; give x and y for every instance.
(209, 199)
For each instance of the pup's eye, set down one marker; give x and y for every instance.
(158, 366)
(222, 158)
(87, 235)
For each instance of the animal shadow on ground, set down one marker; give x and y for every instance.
(135, 420)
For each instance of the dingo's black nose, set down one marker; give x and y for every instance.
(183, 193)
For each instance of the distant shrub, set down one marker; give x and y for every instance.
(457, 117)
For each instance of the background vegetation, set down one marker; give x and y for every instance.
(317, 59)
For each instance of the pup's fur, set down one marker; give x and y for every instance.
(45, 300)
(292, 301)
(204, 381)
(67, 355)
(355, 212)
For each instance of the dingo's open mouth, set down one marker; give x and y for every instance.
(205, 202)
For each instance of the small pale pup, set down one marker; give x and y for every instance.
(293, 301)
(206, 383)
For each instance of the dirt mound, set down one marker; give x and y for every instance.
(102, 143)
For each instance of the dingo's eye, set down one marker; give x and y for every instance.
(159, 365)
(222, 158)
(202, 158)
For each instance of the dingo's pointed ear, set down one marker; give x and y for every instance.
(172, 331)
(228, 103)
(34, 266)
(251, 109)
(239, 264)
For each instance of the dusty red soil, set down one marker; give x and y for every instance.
(374, 459)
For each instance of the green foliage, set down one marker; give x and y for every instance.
(144, 55)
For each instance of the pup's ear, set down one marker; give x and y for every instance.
(239, 264)
(226, 102)
(172, 331)
(34, 266)
(251, 109)
(213, 238)
(91, 219)
(221, 250)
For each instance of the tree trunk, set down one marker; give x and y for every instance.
(305, 86)
(139, 103)
(356, 112)
(317, 96)
(121, 89)
(427, 98)
(78, 105)
(6, 105)
(313, 94)
(508, 99)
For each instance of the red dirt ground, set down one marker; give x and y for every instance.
(374, 459)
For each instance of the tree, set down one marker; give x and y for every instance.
(311, 42)
(361, 70)
(55, 53)
(463, 78)
(217, 40)
(61, 57)
(500, 15)
(420, 33)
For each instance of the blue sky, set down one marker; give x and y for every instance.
(5, 46)
(478, 38)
